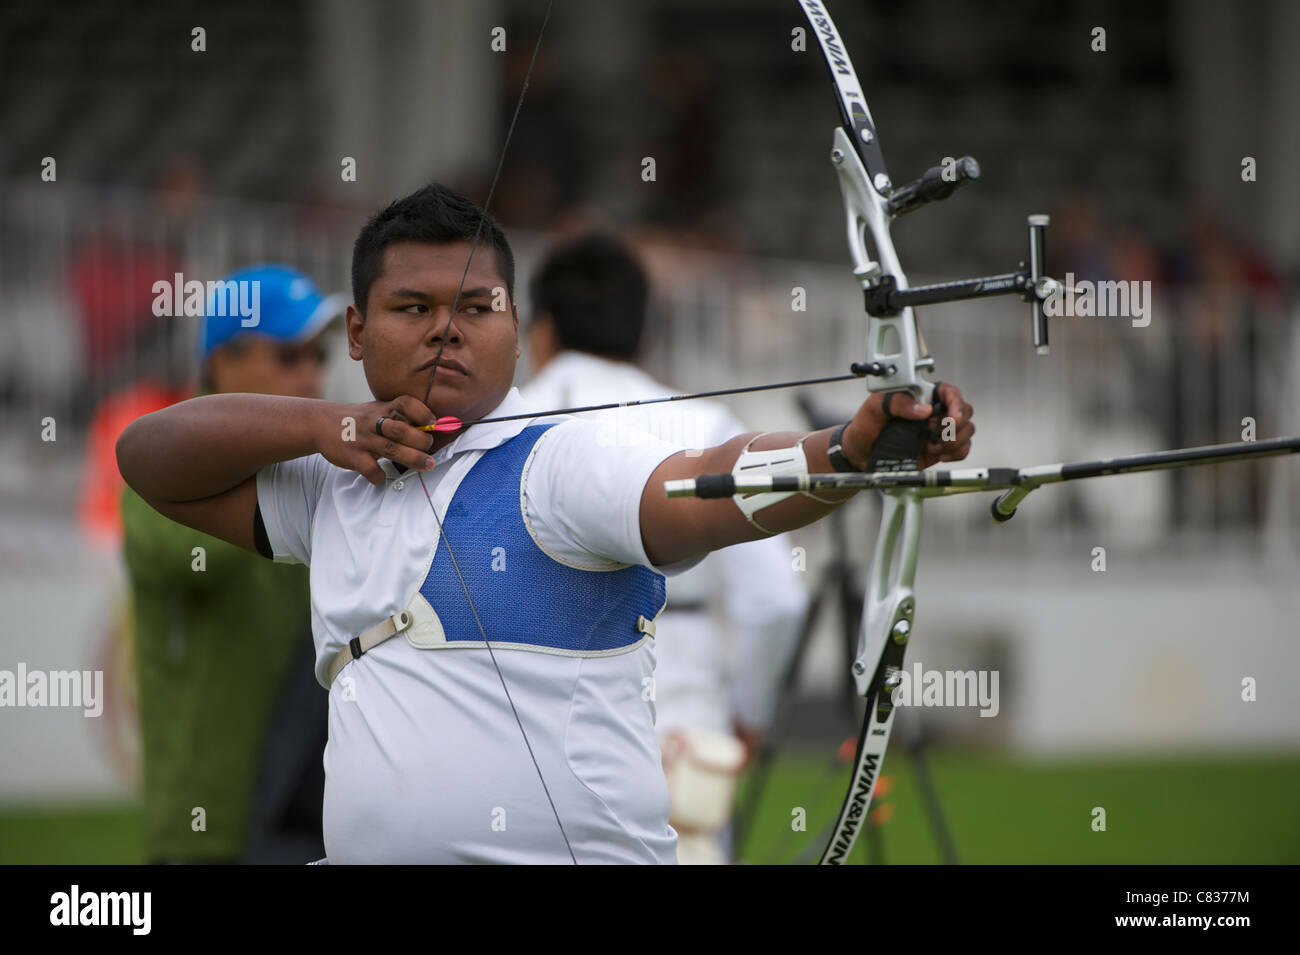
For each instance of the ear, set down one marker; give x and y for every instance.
(356, 322)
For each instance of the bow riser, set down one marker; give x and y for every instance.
(894, 343)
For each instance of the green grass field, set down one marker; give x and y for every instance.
(1003, 810)
(1000, 810)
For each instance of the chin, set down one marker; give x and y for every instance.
(451, 399)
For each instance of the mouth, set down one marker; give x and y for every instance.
(449, 366)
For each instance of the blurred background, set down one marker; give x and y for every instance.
(1120, 688)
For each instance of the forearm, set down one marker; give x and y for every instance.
(801, 509)
(797, 510)
(677, 529)
(208, 445)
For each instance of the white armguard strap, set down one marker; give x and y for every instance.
(775, 462)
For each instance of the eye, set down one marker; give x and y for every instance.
(407, 308)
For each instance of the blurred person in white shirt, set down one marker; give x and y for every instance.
(732, 623)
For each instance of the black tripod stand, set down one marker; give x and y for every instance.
(840, 583)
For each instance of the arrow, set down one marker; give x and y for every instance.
(448, 423)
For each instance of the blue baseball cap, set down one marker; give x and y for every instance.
(271, 300)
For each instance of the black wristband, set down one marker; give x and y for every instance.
(835, 451)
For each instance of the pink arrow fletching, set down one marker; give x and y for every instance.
(443, 424)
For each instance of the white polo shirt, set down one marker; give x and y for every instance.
(425, 762)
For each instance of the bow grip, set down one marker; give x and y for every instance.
(901, 441)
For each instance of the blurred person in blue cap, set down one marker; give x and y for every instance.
(277, 350)
(232, 723)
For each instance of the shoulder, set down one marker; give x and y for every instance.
(581, 492)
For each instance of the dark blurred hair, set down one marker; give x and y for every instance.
(595, 291)
(435, 215)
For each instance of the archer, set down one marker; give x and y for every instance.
(467, 585)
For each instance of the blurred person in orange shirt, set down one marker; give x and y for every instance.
(233, 725)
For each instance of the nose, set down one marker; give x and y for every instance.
(442, 326)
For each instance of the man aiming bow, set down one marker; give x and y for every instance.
(482, 598)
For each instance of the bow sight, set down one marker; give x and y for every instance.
(871, 204)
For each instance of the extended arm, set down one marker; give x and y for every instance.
(681, 528)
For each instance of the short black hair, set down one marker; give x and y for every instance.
(596, 293)
(435, 215)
